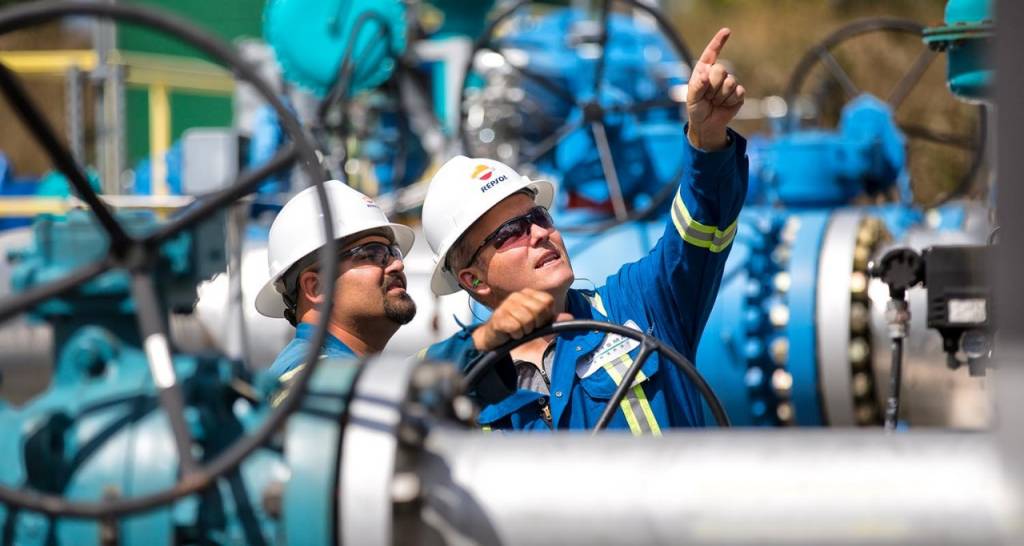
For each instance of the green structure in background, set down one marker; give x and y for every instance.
(229, 19)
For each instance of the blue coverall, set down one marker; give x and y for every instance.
(669, 294)
(295, 353)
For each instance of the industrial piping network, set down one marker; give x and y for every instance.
(383, 451)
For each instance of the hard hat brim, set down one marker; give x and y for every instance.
(443, 282)
(268, 300)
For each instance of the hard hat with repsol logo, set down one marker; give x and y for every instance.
(461, 191)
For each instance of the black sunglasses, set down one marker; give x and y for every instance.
(375, 253)
(513, 230)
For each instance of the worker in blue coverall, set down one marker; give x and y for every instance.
(370, 299)
(492, 236)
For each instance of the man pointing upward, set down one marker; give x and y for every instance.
(492, 236)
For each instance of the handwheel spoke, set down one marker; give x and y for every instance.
(645, 105)
(245, 185)
(945, 139)
(59, 154)
(161, 367)
(15, 305)
(611, 177)
(909, 80)
(552, 140)
(626, 383)
(540, 79)
(839, 74)
(602, 43)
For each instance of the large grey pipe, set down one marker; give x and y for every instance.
(790, 487)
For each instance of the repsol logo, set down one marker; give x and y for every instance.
(493, 183)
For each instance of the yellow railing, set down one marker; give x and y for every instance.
(160, 75)
(28, 206)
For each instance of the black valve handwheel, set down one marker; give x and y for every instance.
(594, 113)
(137, 255)
(648, 346)
(824, 54)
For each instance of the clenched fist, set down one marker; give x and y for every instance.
(713, 97)
(521, 313)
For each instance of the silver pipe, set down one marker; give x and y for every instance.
(74, 114)
(237, 333)
(850, 487)
(109, 108)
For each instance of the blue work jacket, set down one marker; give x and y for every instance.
(668, 294)
(295, 353)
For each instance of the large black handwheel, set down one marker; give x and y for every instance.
(594, 113)
(826, 54)
(137, 255)
(648, 346)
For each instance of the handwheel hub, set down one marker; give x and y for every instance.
(593, 112)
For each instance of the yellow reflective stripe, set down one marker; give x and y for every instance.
(634, 424)
(486, 428)
(645, 406)
(625, 405)
(632, 404)
(698, 234)
(422, 353)
(287, 376)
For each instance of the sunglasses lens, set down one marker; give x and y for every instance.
(541, 217)
(511, 231)
(516, 228)
(376, 253)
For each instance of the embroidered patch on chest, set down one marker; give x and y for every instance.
(613, 346)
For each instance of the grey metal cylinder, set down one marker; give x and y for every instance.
(823, 487)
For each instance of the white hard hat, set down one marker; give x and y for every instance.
(298, 231)
(461, 191)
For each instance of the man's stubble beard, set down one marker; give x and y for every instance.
(399, 309)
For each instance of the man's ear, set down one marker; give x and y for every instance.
(471, 282)
(309, 286)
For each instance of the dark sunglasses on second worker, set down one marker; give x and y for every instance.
(375, 253)
(513, 230)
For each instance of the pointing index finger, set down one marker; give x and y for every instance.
(714, 48)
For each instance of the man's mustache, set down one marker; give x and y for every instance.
(390, 280)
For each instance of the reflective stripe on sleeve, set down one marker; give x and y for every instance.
(698, 234)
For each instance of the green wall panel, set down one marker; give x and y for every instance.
(228, 19)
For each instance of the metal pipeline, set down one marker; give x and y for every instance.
(850, 487)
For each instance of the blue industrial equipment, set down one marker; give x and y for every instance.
(597, 104)
(9, 186)
(62, 245)
(456, 18)
(791, 341)
(966, 39)
(351, 62)
(369, 34)
(144, 173)
(384, 141)
(820, 89)
(97, 432)
(866, 155)
(90, 448)
(793, 336)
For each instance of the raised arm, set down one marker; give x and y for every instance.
(676, 284)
